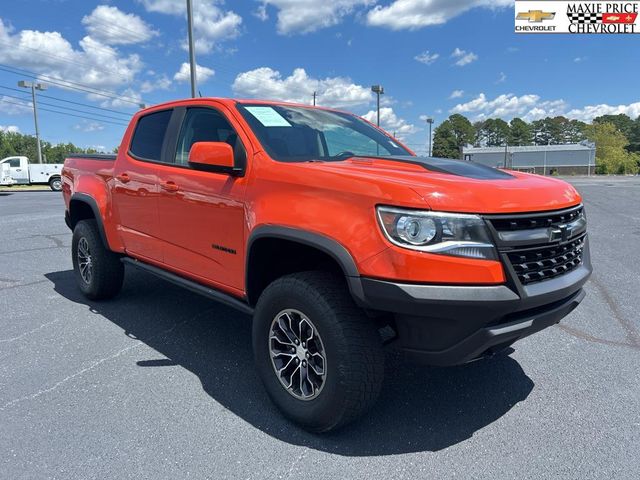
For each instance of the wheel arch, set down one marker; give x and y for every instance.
(308, 242)
(84, 207)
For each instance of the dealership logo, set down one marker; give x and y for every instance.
(577, 17)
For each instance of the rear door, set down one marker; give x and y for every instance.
(135, 191)
(201, 213)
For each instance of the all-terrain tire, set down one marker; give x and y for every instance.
(354, 356)
(106, 271)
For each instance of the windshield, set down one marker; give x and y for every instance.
(299, 134)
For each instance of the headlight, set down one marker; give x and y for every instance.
(436, 232)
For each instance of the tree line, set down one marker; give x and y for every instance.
(13, 143)
(617, 137)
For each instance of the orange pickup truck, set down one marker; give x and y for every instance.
(334, 236)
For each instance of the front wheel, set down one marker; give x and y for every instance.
(55, 184)
(319, 357)
(99, 272)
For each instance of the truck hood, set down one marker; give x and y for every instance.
(460, 186)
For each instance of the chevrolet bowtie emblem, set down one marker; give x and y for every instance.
(536, 16)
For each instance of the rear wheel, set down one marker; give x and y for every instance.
(55, 184)
(319, 356)
(99, 272)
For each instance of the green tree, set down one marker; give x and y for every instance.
(520, 132)
(451, 135)
(493, 132)
(621, 121)
(611, 154)
(557, 131)
(12, 143)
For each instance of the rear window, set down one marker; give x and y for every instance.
(149, 135)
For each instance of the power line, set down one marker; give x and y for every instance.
(128, 115)
(68, 84)
(69, 108)
(64, 113)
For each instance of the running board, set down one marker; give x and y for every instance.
(191, 285)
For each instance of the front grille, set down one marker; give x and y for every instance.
(537, 264)
(541, 246)
(525, 222)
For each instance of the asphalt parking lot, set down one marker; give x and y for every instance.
(159, 382)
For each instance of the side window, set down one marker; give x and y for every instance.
(203, 125)
(149, 135)
(14, 162)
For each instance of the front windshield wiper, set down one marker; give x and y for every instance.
(343, 155)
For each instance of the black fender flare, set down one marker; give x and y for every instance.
(88, 200)
(321, 242)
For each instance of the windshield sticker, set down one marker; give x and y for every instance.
(268, 117)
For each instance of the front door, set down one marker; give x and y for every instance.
(201, 213)
(135, 192)
(19, 170)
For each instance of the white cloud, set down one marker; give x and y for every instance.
(502, 78)
(112, 26)
(414, 14)
(261, 13)
(299, 87)
(9, 129)
(390, 122)
(160, 83)
(13, 106)
(87, 126)
(529, 107)
(532, 107)
(304, 16)
(202, 73)
(580, 59)
(94, 64)
(463, 57)
(211, 23)
(426, 57)
(588, 113)
(456, 94)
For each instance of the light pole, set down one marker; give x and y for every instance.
(35, 86)
(378, 90)
(192, 50)
(430, 122)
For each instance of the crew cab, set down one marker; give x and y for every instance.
(336, 238)
(24, 172)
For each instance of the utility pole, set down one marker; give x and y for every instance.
(35, 86)
(192, 50)
(314, 98)
(378, 90)
(430, 122)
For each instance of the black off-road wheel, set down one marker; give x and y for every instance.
(99, 272)
(318, 355)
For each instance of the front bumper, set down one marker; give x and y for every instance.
(449, 325)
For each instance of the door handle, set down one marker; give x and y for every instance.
(123, 177)
(169, 186)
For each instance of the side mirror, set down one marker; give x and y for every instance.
(212, 156)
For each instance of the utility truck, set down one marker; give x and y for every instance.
(24, 172)
(337, 239)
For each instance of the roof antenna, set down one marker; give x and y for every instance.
(200, 93)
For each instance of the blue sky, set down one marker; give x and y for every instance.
(434, 58)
